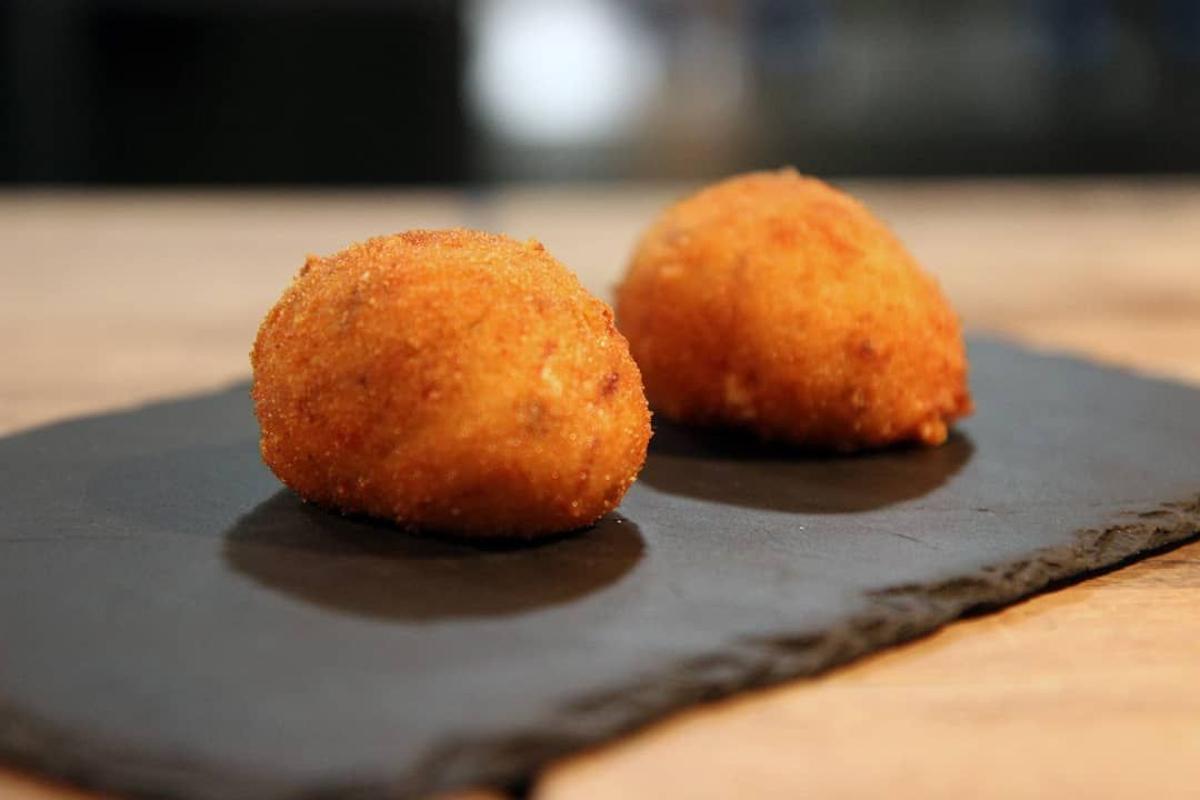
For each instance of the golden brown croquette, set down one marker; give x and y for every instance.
(452, 381)
(775, 302)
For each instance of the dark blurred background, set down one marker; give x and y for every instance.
(368, 91)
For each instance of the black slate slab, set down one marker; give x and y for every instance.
(174, 625)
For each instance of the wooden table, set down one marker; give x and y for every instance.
(110, 299)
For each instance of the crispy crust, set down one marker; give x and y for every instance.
(449, 380)
(775, 302)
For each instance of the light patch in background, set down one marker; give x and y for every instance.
(559, 72)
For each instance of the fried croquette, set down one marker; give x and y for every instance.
(774, 302)
(453, 381)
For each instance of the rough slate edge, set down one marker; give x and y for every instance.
(896, 615)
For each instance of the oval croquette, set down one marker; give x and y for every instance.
(452, 381)
(774, 302)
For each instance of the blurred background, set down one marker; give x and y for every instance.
(478, 91)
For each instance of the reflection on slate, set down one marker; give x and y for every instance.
(359, 566)
(175, 625)
(731, 467)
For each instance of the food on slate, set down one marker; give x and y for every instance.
(452, 381)
(774, 302)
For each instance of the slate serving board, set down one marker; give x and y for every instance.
(174, 625)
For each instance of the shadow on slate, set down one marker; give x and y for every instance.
(731, 467)
(365, 567)
(174, 625)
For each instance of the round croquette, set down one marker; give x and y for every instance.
(774, 302)
(453, 381)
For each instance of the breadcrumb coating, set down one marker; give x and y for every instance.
(774, 302)
(453, 381)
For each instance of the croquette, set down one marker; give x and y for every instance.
(774, 302)
(452, 381)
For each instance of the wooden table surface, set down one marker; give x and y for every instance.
(114, 298)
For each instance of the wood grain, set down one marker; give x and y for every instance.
(115, 298)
